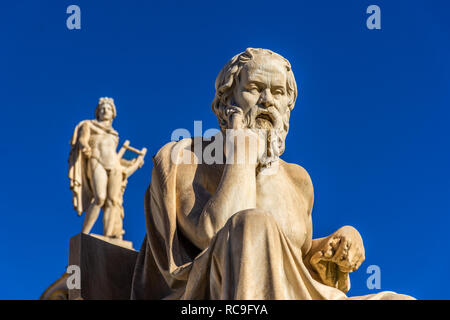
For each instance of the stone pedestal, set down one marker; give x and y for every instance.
(117, 242)
(106, 268)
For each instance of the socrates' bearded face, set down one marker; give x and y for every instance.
(261, 93)
(262, 84)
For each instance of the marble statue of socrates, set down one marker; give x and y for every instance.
(231, 230)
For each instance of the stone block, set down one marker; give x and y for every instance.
(106, 269)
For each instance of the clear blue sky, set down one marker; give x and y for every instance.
(371, 124)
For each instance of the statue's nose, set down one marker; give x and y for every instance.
(266, 98)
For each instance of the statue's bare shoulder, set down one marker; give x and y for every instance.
(179, 153)
(190, 176)
(173, 153)
(301, 179)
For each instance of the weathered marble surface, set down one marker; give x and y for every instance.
(98, 174)
(242, 230)
(106, 269)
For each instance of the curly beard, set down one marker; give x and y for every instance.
(272, 127)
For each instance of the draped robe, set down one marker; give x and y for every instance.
(250, 257)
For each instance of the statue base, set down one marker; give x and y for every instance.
(115, 241)
(105, 270)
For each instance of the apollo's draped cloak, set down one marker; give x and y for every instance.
(79, 179)
(249, 258)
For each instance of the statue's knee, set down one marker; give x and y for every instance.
(109, 203)
(396, 296)
(254, 217)
(100, 201)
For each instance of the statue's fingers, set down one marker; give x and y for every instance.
(334, 242)
(331, 272)
(331, 245)
(329, 252)
(316, 257)
(345, 268)
(341, 255)
(343, 283)
(355, 261)
(237, 120)
(229, 111)
(233, 111)
(354, 254)
(345, 262)
(321, 268)
(359, 260)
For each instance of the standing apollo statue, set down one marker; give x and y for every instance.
(98, 174)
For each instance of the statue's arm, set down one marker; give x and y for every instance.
(83, 137)
(202, 212)
(329, 259)
(236, 192)
(125, 162)
(130, 166)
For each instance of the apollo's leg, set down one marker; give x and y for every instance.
(113, 203)
(99, 179)
(118, 227)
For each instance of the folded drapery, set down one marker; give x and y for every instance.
(249, 258)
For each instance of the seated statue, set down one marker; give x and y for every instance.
(242, 229)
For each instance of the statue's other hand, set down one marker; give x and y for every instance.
(350, 249)
(257, 147)
(340, 254)
(138, 162)
(345, 248)
(87, 151)
(235, 118)
(241, 138)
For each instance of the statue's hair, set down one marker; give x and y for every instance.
(226, 81)
(106, 100)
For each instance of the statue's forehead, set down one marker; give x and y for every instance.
(106, 104)
(266, 69)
